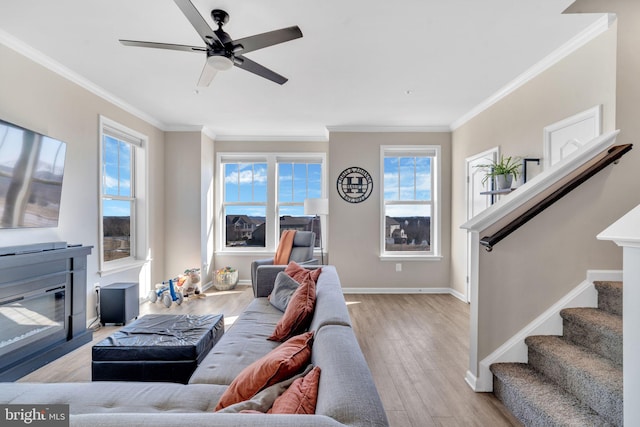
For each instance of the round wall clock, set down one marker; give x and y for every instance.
(354, 185)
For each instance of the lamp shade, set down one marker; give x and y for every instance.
(316, 206)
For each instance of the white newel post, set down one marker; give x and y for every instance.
(626, 233)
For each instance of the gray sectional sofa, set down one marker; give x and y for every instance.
(347, 395)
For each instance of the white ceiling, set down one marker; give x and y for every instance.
(361, 63)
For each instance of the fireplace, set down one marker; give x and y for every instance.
(42, 307)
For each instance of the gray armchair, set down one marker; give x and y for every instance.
(301, 252)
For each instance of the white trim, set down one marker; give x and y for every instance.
(625, 231)
(471, 380)
(410, 257)
(140, 191)
(593, 113)
(388, 129)
(547, 323)
(539, 183)
(435, 153)
(589, 33)
(324, 137)
(55, 67)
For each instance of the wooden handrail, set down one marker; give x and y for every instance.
(613, 155)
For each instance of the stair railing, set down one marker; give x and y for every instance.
(533, 197)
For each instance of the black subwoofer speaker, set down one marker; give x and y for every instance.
(119, 303)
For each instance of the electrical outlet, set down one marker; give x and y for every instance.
(96, 286)
(398, 267)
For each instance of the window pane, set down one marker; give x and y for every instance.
(391, 178)
(231, 182)
(407, 178)
(116, 226)
(260, 182)
(423, 178)
(314, 183)
(110, 166)
(124, 159)
(285, 182)
(408, 228)
(299, 182)
(245, 226)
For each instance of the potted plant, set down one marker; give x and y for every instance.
(503, 170)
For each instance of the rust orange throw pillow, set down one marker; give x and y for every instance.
(301, 396)
(298, 313)
(299, 273)
(279, 364)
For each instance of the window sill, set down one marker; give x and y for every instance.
(120, 267)
(410, 258)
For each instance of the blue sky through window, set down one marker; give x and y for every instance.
(407, 178)
(116, 178)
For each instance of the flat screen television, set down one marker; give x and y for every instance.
(31, 170)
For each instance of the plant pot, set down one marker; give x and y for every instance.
(503, 182)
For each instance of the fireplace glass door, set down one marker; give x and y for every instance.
(32, 321)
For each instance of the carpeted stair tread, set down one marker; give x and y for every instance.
(593, 379)
(609, 296)
(594, 329)
(537, 401)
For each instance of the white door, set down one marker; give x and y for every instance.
(477, 202)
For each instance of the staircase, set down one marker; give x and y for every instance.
(574, 379)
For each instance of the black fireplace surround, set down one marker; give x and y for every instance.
(43, 299)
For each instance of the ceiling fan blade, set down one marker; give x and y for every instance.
(259, 41)
(198, 22)
(255, 68)
(164, 46)
(208, 73)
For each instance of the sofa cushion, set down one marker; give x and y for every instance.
(283, 288)
(301, 396)
(284, 361)
(298, 313)
(116, 396)
(244, 342)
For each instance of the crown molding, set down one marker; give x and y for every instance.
(389, 129)
(273, 138)
(40, 58)
(582, 38)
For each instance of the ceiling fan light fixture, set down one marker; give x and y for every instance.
(220, 63)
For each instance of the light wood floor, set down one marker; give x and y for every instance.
(416, 347)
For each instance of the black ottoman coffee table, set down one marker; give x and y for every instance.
(156, 347)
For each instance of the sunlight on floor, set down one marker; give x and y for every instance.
(228, 321)
(353, 302)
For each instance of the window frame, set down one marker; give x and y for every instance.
(434, 152)
(272, 221)
(139, 190)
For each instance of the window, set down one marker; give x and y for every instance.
(297, 181)
(410, 210)
(263, 194)
(245, 203)
(122, 183)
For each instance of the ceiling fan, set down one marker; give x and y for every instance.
(222, 51)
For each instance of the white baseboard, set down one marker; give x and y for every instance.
(449, 291)
(548, 323)
(471, 380)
